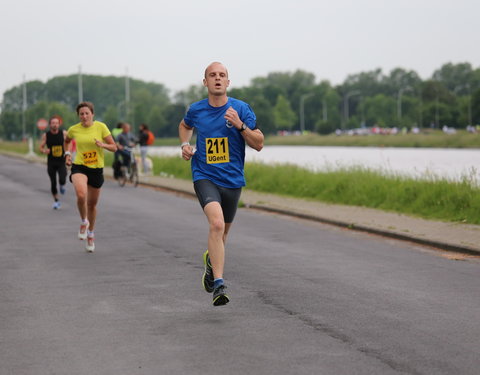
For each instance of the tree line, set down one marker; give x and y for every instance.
(281, 100)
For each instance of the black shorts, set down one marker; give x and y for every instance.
(94, 175)
(208, 192)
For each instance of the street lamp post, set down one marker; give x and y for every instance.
(469, 105)
(119, 109)
(324, 110)
(80, 84)
(345, 106)
(399, 102)
(127, 96)
(467, 86)
(302, 111)
(24, 106)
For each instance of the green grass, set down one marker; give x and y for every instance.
(431, 199)
(435, 198)
(18, 147)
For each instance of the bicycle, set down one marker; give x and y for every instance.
(130, 173)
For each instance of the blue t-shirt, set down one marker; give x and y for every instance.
(220, 154)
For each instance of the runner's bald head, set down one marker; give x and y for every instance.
(214, 64)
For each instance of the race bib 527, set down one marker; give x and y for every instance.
(90, 157)
(217, 150)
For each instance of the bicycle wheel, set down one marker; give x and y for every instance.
(122, 179)
(134, 175)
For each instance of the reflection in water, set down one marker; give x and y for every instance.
(453, 164)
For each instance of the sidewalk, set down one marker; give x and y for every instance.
(458, 237)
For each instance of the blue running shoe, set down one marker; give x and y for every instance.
(207, 278)
(220, 297)
(62, 189)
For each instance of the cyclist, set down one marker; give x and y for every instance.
(125, 140)
(92, 137)
(52, 145)
(223, 126)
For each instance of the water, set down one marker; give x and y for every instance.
(452, 164)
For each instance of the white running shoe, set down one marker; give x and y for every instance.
(90, 244)
(56, 205)
(82, 232)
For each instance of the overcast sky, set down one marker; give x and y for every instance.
(171, 42)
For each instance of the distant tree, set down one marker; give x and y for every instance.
(464, 107)
(439, 105)
(476, 107)
(380, 110)
(156, 121)
(269, 91)
(264, 112)
(368, 83)
(260, 105)
(9, 121)
(283, 114)
(401, 79)
(173, 114)
(111, 117)
(193, 94)
(455, 77)
(142, 102)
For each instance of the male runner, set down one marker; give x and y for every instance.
(52, 145)
(223, 125)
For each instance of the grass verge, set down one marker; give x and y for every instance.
(431, 199)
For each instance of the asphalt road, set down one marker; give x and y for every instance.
(306, 298)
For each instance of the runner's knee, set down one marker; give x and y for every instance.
(217, 225)
(91, 204)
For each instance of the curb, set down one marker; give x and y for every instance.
(362, 228)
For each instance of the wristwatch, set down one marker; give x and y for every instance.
(243, 127)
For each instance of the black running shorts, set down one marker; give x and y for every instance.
(208, 192)
(94, 175)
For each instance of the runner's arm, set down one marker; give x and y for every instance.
(108, 144)
(43, 143)
(253, 138)
(185, 133)
(68, 154)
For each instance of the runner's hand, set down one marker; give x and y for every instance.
(187, 152)
(68, 160)
(232, 116)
